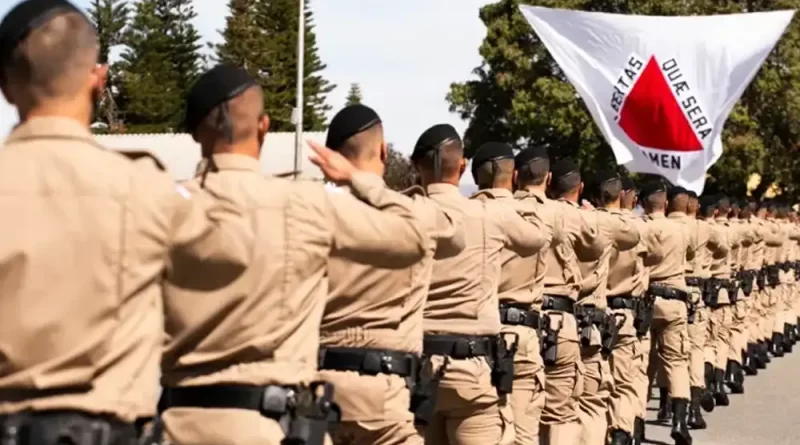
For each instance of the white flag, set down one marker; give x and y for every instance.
(660, 88)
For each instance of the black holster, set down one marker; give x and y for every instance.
(549, 340)
(747, 280)
(691, 311)
(307, 422)
(643, 319)
(610, 333)
(64, 427)
(773, 276)
(503, 363)
(761, 279)
(423, 391)
(711, 292)
(585, 317)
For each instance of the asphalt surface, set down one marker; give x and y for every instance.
(767, 413)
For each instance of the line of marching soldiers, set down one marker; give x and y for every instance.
(273, 311)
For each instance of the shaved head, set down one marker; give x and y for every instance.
(495, 173)
(364, 146)
(54, 62)
(245, 112)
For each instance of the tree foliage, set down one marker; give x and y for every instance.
(399, 174)
(520, 95)
(354, 95)
(109, 18)
(160, 62)
(261, 35)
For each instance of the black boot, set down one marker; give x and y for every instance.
(638, 431)
(664, 406)
(750, 359)
(777, 344)
(720, 396)
(787, 338)
(680, 432)
(766, 345)
(707, 395)
(695, 420)
(734, 377)
(619, 437)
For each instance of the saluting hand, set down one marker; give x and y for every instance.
(586, 205)
(335, 166)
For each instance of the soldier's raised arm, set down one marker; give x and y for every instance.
(382, 230)
(448, 232)
(525, 233)
(620, 230)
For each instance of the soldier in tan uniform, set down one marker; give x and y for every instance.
(468, 357)
(723, 294)
(598, 327)
(751, 265)
(787, 276)
(671, 299)
(493, 169)
(773, 280)
(761, 255)
(522, 280)
(371, 333)
(91, 236)
(706, 242)
(627, 282)
(587, 236)
(240, 365)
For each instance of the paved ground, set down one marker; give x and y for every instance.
(767, 413)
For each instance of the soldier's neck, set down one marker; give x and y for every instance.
(65, 110)
(250, 149)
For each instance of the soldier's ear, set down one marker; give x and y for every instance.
(384, 154)
(548, 179)
(514, 179)
(580, 188)
(463, 166)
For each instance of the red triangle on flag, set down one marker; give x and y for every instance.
(652, 117)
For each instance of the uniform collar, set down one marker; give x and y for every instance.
(441, 188)
(614, 211)
(51, 128)
(494, 193)
(721, 219)
(657, 215)
(677, 215)
(232, 161)
(567, 201)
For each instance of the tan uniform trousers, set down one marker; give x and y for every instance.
(593, 401)
(375, 409)
(643, 379)
(626, 363)
(739, 328)
(787, 285)
(698, 337)
(468, 410)
(671, 335)
(565, 381)
(767, 312)
(779, 313)
(528, 396)
(719, 335)
(196, 426)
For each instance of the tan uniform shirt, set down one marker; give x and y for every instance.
(90, 235)
(627, 274)
(749, 240)
(774, 233)
(380, 307)
(768, 241)
(716, 245)
(522, 278)
(463, 291)
(675, 236)
(264, 328)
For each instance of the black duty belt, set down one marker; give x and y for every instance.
(517, 316)
(458, 346)
(668, 293)
(696, 282)
(271, 401)
(558, 303)
(623, 302)
(368, 361)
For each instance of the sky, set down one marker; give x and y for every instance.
(403, 54)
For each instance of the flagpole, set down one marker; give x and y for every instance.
(298, 133)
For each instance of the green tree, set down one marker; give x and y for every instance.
(354, 95)
(110, 18)
(520, 95)
(159, 64)
(399, 174)
(262, 36)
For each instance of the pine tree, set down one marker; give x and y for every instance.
(159, 65)
(261, 35)
(109, 17)
(354, 95)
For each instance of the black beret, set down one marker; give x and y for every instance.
(24, 18)
(674, 191)
(692, 194)
(604, 176)
(529, 154)
(708, 201)
(433, 138)
(627, 183)
(651, 188)
(563, 168)
(492, 151)
(218, 85)
(348, 122)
